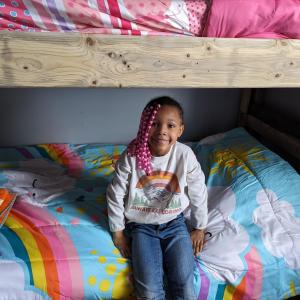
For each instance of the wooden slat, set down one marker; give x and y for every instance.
(77, 60)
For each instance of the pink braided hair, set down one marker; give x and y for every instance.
(139, 146)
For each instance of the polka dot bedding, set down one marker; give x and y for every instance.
(126, 17)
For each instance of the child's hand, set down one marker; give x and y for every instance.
(122, 243)
(197, 237)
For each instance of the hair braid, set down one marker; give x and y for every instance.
(139, 146)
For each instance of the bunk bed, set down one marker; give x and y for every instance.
(54, 239)
(139, 47)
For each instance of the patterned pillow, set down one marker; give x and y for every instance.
(7, 200)
(197, 14)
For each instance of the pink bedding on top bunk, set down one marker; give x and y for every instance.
(129, 17)
(212, 18)
(254, 19)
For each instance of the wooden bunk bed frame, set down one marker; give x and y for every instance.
(85, 60)
(82, 60)
(272, 129)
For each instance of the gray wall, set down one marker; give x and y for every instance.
(31, 116)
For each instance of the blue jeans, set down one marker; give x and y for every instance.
(158, 250)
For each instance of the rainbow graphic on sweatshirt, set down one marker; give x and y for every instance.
(158, 192)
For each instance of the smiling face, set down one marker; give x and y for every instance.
(167, 127)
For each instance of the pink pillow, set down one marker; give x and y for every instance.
(254, 18)
(197, 14)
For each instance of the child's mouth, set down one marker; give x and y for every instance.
(161, 141)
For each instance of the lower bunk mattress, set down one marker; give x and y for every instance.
(55, 242)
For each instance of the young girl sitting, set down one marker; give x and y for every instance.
(157, 179)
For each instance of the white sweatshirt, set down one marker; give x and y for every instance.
(176, 185)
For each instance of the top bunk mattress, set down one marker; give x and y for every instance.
(210, 18)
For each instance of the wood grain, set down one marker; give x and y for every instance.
(82, 60)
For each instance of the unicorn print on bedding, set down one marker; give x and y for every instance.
(37, 181)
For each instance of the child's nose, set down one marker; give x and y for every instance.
(162, 129)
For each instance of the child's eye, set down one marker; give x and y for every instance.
(154, 124)
(171, 126)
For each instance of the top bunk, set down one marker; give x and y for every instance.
(170, 43)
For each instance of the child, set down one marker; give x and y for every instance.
(156, 180)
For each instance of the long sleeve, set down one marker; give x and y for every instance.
(116, 193)
(197, 192)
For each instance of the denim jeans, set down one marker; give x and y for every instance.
(159, 250)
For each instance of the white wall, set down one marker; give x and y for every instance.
(31, 116)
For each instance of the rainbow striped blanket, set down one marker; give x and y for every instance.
(64, 250)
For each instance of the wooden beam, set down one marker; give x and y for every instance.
(82, 60)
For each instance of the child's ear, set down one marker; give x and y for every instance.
(181, 129)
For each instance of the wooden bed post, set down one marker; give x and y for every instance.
(246, 95)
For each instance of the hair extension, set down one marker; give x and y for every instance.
(139, 146)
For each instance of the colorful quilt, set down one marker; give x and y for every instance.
(62, 249)
(127, 17)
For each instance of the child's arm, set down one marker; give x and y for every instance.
(197, 237)
(115, 194)
(197, 192)
(122, 243)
